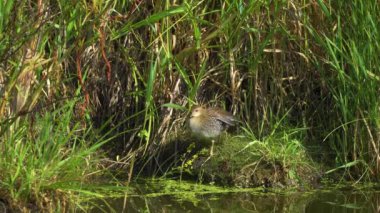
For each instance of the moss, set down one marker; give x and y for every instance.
(239, 161)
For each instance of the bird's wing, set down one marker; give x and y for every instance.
(230, 120)
(223, 116)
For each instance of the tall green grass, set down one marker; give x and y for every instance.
(47, 160)
(351, 71)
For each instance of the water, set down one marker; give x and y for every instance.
(176, 197)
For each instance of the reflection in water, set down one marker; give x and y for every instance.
(336, 200)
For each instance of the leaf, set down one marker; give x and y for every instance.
(347, 165)
(150, 20)
(174, 106)
(324, 8)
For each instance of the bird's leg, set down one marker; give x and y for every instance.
(212, 147)
(211, 152)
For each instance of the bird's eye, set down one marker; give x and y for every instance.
(196, 110)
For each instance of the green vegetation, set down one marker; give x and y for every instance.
(83, 80)
(47, 163)
(277, 160)
(351, 73)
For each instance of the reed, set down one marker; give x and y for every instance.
(351, 73)
(47, 162)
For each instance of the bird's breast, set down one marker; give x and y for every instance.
(208, 128)
(195, 124)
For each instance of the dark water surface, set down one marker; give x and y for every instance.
(185, 197)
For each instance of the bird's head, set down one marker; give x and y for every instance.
(197, 111)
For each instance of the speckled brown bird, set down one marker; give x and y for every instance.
(210, 122)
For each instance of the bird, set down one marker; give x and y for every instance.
(210, 122)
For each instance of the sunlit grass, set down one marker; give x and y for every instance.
(47, 159)
(353, 80)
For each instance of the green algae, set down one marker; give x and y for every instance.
(166, 195)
